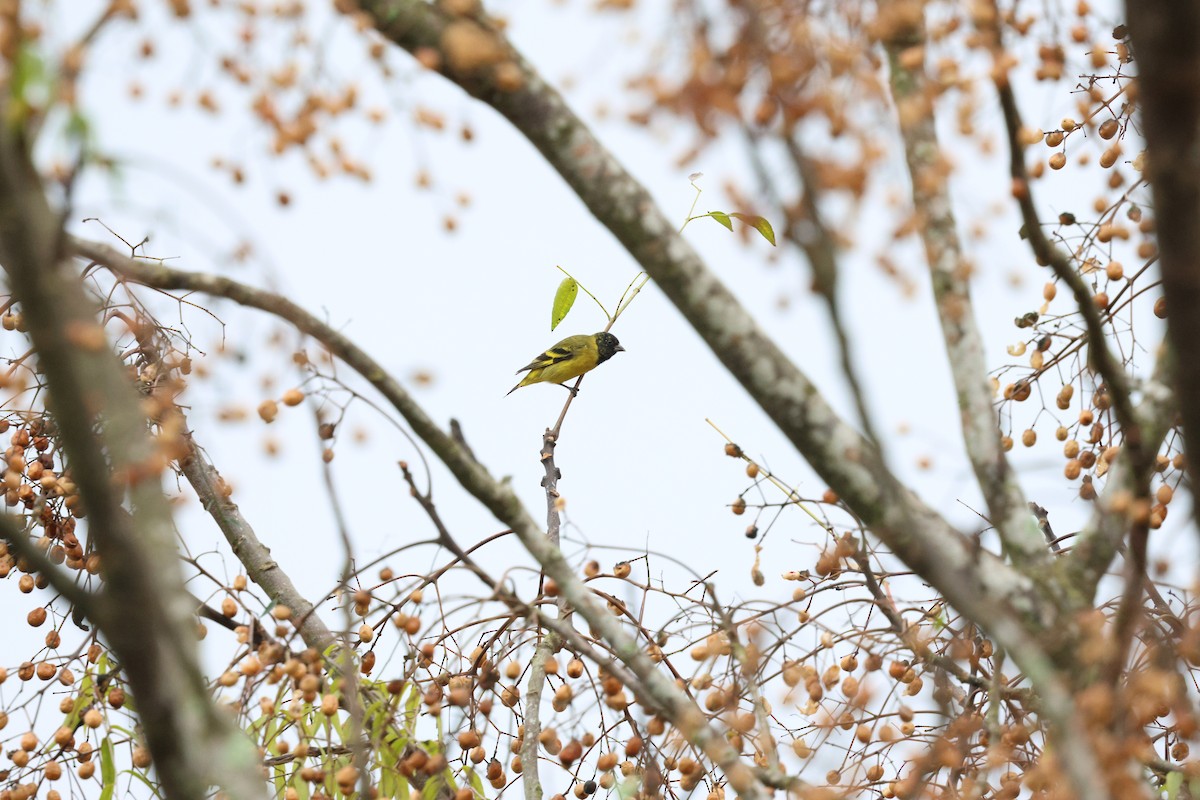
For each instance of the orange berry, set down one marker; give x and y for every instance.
(268, 410)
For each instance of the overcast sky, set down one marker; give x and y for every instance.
(641, 468)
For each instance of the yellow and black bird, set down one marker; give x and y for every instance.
(569, 359)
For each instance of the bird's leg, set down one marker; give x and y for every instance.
(574, 392)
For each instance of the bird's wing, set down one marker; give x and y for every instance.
(560, 352)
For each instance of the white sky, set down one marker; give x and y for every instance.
(640, 465)
(641, 468)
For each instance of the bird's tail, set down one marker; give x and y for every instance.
(524, 381)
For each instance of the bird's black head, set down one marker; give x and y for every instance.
(608, 346)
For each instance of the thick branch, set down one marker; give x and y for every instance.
(530, 774)
(143, 609)
(1166, 40)
(950, 276)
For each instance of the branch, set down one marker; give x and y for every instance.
(83, 602)
(1007, 508)
(156, 275)
(817, 241)
(1100, 353)
(266, 572)
(921, 650)
(256, 557)
(143, 609)
(1056, 703)
(1102, 537)
(1140, 445)
(559, 627)
(1043, 522)
(530, 777)
(1166, 40)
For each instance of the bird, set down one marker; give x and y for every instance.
(570, 358)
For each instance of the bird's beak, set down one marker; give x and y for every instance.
(622, 349)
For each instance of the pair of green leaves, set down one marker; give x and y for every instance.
(759, 224)
(568, 290)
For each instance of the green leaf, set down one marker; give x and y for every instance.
(394, 740)
(108, 769)
(721, 217)
(266, 728)
(377, 719)
(629, 787)
(387, 783)
(432, 788)
(79, 129)
(301, 786)
(411, 708)
(83, 700)
(155, 789)
(338, 723)
(759, 224)
(475, 781)
(29, 82)
(564, 298)
(1173, 784)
